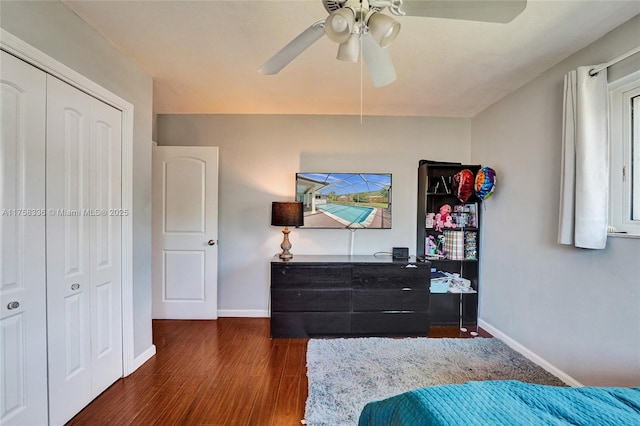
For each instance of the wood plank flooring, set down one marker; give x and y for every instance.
(223, 372)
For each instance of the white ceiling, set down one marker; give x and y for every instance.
(203, 55)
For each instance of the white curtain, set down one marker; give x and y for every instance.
(584, 192)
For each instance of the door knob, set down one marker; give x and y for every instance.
(211, 242)
(13, 305)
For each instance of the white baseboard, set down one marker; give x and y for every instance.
(518, 347)
(243, 313)
(143, 357)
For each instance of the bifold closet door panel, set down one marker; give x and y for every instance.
(23, 356)
(105, 245)
(83, 248)
(68, 250)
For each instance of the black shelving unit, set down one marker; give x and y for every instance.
(435, 188)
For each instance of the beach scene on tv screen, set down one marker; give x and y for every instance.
(345, 200)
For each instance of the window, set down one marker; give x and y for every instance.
(624, 210)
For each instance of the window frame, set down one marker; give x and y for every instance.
(622, 170)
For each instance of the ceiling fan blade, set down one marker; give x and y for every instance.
(294, 48)
(379, 63)
(501, 11)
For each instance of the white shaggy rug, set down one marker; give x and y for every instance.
(345, 374)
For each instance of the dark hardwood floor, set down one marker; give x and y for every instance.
(223, 372)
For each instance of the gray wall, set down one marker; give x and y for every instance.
(259, 156)
(577, 309)
(53, 29)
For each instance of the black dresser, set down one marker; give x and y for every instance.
(349, 296)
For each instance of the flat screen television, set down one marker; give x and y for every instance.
(345, 200)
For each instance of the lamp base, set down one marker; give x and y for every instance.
(285, 255)
(286, 245)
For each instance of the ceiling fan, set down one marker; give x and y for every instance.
(359, 26)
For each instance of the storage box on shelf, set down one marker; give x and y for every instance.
(451, 245)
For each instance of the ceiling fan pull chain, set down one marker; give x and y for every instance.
(361, 71)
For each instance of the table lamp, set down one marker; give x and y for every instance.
(286, 214)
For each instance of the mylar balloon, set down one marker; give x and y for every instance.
(463, 184)
(485, 182)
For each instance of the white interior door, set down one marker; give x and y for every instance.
(185, 232)
(83, 248)
(23, 358)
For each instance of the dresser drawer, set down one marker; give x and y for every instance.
(310, 276)
(389, 323)
(390, 276)
(310, 324)
(292, 300)
(390, 300)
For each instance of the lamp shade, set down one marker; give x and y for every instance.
(383, 28)
(339, 24)
(287, 214)
(350, 50)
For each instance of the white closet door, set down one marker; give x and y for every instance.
(83, 248)
(105, 237)
(68, 251)
(23, 358)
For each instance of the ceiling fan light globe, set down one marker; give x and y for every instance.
(349, 50)
(383, 28)
(339, 24)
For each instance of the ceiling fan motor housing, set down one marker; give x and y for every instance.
(333, 5)
(363, 5)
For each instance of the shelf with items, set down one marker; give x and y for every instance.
(450, 215)
(451, 307)
(448, 235)
(443, 282)
(467, 269)
(451, 244)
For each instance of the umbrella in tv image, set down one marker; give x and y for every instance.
(345, 200)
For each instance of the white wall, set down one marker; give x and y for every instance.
(259, 156)
(53, 29)
(577, 309)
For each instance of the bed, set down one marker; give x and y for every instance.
(506, 402)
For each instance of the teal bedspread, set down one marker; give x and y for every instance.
(506, 402)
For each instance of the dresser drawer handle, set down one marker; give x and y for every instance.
(406, 288)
